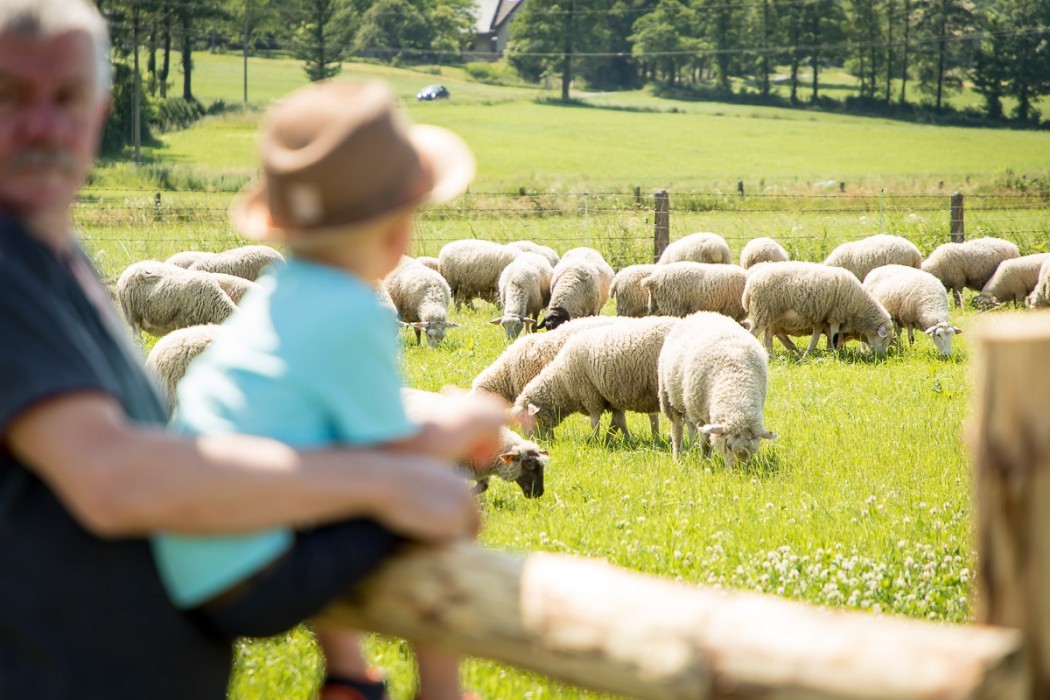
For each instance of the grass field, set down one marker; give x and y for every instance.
(864, 500)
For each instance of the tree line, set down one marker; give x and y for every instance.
(904, 54)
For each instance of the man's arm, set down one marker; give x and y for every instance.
(120, 479)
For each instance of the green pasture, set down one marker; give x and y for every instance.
(863, 502)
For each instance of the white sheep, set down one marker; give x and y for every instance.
(431, 262)
(233, 285)
(609, 368)
(1013, 280)
(627, 292)
(158, 298)
(863, 256)
(712, 376)
(683, 288)
(528, 355)
(968, 265)
(172, 355)
(1040, 296)
(421, 297)
(914, 299)
(580, 287)
(517, 459)
(762, 250)
(472, 268)
(811, 295)
(524, 290)
(697, 247)
(246, 261)
(530, 247)
(186, 258)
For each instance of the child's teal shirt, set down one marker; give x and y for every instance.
(308, 359)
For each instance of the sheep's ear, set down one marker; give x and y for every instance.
(746, 324)
(421, 325)
(958, 331)
(712, 429)
(931, 330)
(545, 453)
(882, 332)
(402, 324)
(507, 457)
(533, 409)
(450, 324)
(528, 321)
(766, 435)
(497, 321)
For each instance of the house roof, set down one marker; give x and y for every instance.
(486, 13)
(491, 14)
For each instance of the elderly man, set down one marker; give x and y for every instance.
(86, 467)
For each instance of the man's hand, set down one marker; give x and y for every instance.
(428, 500)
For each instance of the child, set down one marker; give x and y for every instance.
(309, 359)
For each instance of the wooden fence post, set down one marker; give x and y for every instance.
(1010, 444)
(605, 628)
(661, 224)
(958, 227)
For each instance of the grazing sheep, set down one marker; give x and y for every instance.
(697, 247)
(1013, 280)
(762, 250)
(683, 288)
(712, 376)
(528, 355)
(811, 295)
(524, 290)
(247, 261)
(968, 265)
(530, 247)
(1040, 296)
(158, 298)
(421, 297)
(433, 263)
(233, 285)
(913, 299)
(863, 256)
(172, 354)
(517, 459)
(609, 368)
(579, 287)
(187, 258)
(627, 291)
(472, 268)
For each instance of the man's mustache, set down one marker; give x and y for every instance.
(40, 156)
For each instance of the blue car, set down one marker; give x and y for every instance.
(433, 92)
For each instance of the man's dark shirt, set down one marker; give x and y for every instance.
(80, 617)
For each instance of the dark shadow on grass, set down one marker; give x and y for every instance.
(584, 104)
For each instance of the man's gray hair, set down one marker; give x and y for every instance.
(41, 19)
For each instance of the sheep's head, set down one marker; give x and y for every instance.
(736, 445)
(536, 419)
(435, 330)
(513, 324)
(524, 464)
(879, 341)
(554, 318)
(986, 302)
(942, 334)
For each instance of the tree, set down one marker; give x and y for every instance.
(721, 28)
(940, 25)
(318, 37)
(451, 26)
(865, 55)
(991, 70)
(660, 38)
(390, 27)
(247, 17)
(1025, 46)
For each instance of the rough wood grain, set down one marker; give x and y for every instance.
(1010, 443)
(606, 628)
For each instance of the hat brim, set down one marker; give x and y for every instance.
(444, 153)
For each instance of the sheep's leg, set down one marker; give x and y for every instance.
(676, 434)
(957, 293)
(814, 339)
(595, 424)
(767, 340)
(619, 422)
(654, 424)
(786, 341)
(692, 432)
(419, 336)
(911, 335)
(833, 331)
(705, 444)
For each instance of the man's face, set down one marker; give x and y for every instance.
(51, 115)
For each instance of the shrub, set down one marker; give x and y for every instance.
(175, 113)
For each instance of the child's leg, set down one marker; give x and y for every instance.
(438, 674)
(348, 674)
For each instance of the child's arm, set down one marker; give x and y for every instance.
(462, 426)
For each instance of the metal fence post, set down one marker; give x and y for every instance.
(661, 223)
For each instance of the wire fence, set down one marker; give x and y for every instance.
(121, 226)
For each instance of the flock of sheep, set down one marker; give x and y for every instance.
(685, 342)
